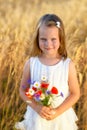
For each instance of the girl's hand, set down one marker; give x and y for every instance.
(47, 113)
(52, 114)
(43, 111)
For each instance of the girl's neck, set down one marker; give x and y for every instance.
(49, 60)
(50, 56)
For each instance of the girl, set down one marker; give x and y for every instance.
(49, 59)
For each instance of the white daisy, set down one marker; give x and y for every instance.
(43, 78)
(36, 84)
(50, 101)
(31, 91)
(42, 96)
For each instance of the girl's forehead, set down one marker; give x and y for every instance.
(48, 30)
(45, 27)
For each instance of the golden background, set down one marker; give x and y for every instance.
(17, 21)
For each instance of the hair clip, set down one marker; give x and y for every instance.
(58, 24)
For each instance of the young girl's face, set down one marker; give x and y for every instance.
(49, 40)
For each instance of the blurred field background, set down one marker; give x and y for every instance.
(17, 22)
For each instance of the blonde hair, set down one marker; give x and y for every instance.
(48, 20)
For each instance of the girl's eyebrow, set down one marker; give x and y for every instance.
(54, 38)
(43, 38)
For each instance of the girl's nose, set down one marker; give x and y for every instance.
(48, 43)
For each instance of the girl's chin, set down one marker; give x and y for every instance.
(50, 55)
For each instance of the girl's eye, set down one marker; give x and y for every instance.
(53, 39)
(43, 39)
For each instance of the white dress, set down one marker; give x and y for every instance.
(57, 76)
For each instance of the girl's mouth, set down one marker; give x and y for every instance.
(48, 48)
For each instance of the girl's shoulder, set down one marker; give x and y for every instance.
(70, 65)
(67, 61)
(31, 59)
(28, 64)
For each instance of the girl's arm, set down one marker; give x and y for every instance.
(74, 93)
(24, 83)
(73, 88)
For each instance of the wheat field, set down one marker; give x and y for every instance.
(17, 21)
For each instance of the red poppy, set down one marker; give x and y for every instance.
(27, 89)
(39, 92)
(35, 89)
(54, 90)
(44, 85)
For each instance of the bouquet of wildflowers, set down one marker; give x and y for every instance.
(41, 93)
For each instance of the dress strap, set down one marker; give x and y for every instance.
(32, 62)
(66, 68)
